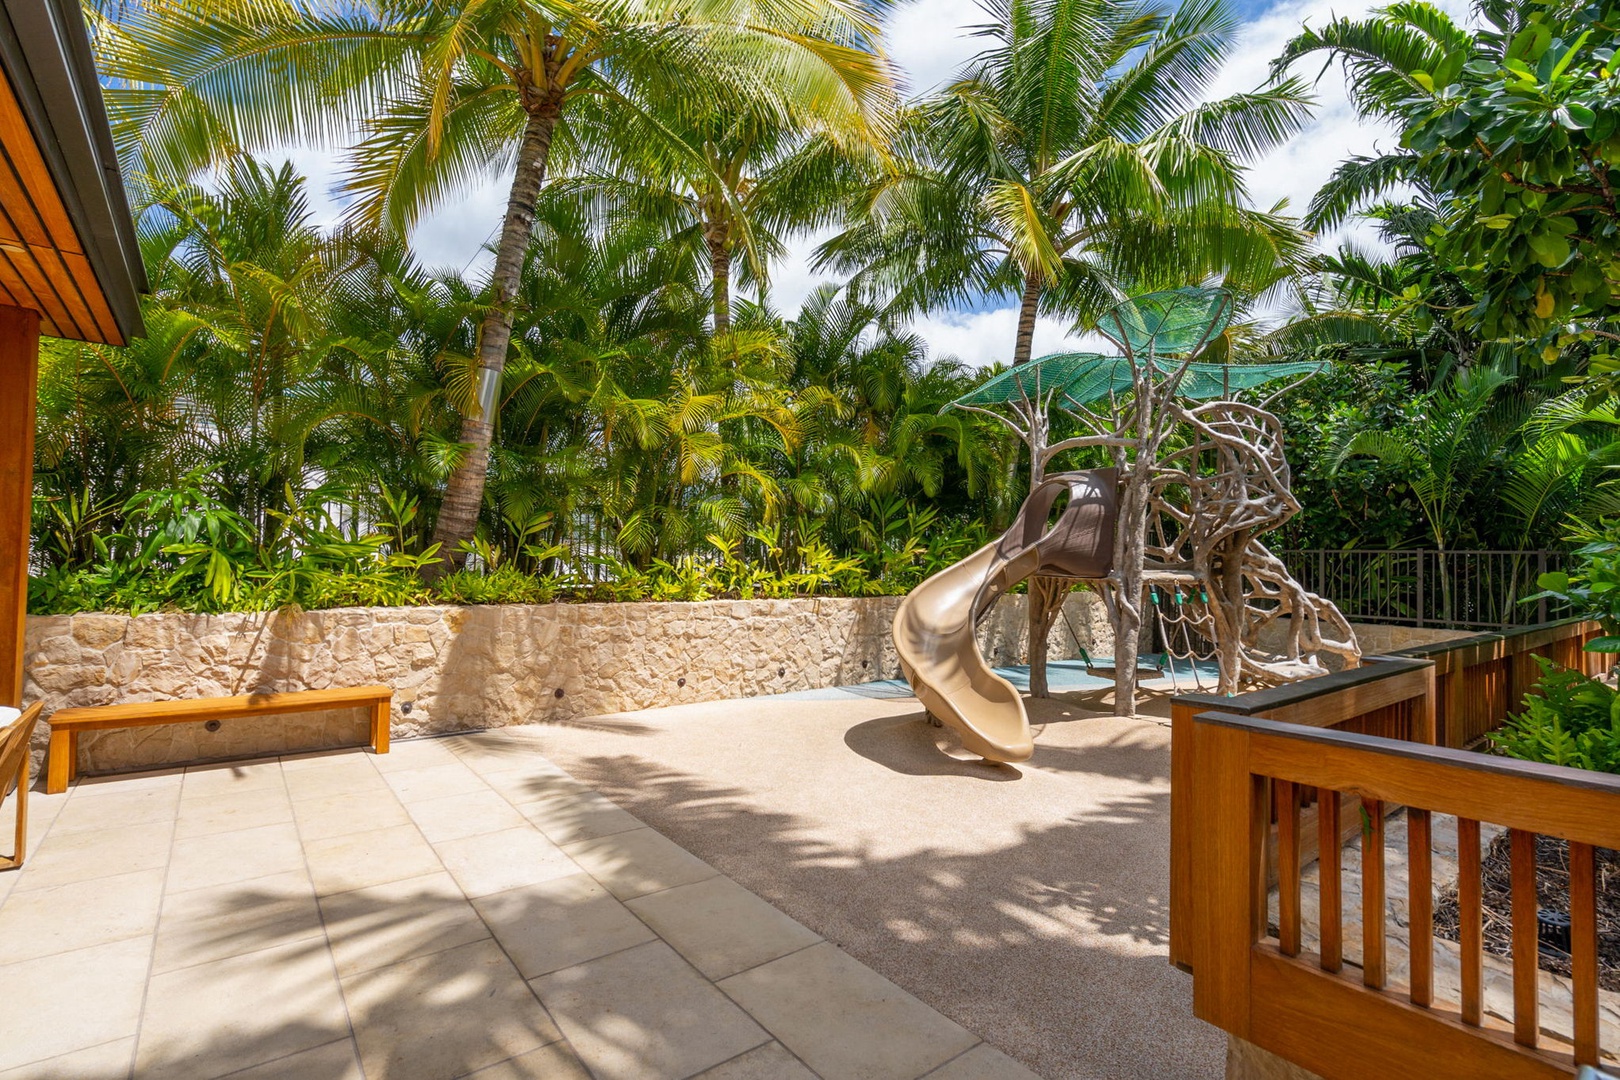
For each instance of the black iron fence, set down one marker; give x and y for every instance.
(1467, 589)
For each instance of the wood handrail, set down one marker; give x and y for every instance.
(1349, 1023)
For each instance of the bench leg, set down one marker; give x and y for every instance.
(73, 756)
(59, 769)
(19, 847)
(379, 727)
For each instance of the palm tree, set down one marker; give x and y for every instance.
(729, 191)
(458, 90)
(1070, 159)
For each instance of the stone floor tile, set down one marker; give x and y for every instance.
(646, 1014)
(220, 858)
(554, 1062)
(219, 921)
(56, 1005)
(204, 815)
(469, 814)
(768, 1062)
(399, 920)
(434, 781)
(445, 1014)
(566, 819)
(109, 1061)
(533, 782)
(231, 776)
(140, 806)
(320, 759)
(497, 861)
(560, 923)
(345, 813)
(362, 859)
(843, 1019)
(116, 783)
(97, 853)
(334, 1061)
(39, 922)
(227, 1015)
(641, 861)
(983, 1062)
(341, 776)
(500, 750)
(721, 927)
(407, 754)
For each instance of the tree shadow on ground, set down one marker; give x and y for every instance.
(1050, 947)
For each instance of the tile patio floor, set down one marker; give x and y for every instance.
(445, 910)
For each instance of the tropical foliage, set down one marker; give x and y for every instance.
(611, 407)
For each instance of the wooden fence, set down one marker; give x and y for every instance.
(1262, 782)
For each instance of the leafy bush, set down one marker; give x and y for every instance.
(1575, 721)
(1591, 588)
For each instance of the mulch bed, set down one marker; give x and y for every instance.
(1552, 894)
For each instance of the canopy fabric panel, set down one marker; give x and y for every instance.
(1033, 380)
(1078, 379)
(1169, 323)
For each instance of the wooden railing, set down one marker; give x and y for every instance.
(1316, 1009)
(1307, 767)
(1481, 679)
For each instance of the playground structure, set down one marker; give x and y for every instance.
(1170, 530)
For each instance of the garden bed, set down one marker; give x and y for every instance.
(1552, 894)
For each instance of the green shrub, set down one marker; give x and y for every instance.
(1575, 721)
(503, 585)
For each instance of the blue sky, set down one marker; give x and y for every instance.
(928, 41)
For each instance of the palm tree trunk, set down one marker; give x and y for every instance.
(464, 493)
(717, 237)
(1024, 344)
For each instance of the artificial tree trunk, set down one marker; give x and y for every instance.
(1023, 348)
(1130, 550)
(464, 492)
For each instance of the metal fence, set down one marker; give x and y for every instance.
(1476, 590)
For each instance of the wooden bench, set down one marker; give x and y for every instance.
(15, 738)
(66, 724)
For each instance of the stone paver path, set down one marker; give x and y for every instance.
(446, 910)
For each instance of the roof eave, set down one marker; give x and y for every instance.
(45, 48)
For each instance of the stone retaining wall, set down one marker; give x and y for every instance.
(455, 668)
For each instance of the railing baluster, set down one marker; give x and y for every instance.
(1526, 947)
(1583, 945)
(1288, 868)
(1420, 905)
(1330, 845)
(1470, 915)
(1372, 894)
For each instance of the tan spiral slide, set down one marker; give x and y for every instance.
(934, 626)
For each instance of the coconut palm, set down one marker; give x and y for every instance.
(456, 91)
(1071, 157)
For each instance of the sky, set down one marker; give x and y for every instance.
(929, 40)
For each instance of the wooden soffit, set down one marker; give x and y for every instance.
(67, 245)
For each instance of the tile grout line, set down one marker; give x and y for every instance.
(320, 913)
(954, 1057)
(562, 1036)
(163, 897)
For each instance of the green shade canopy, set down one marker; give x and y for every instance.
(1033, 380)
(1078, 379)
(1169, 323)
